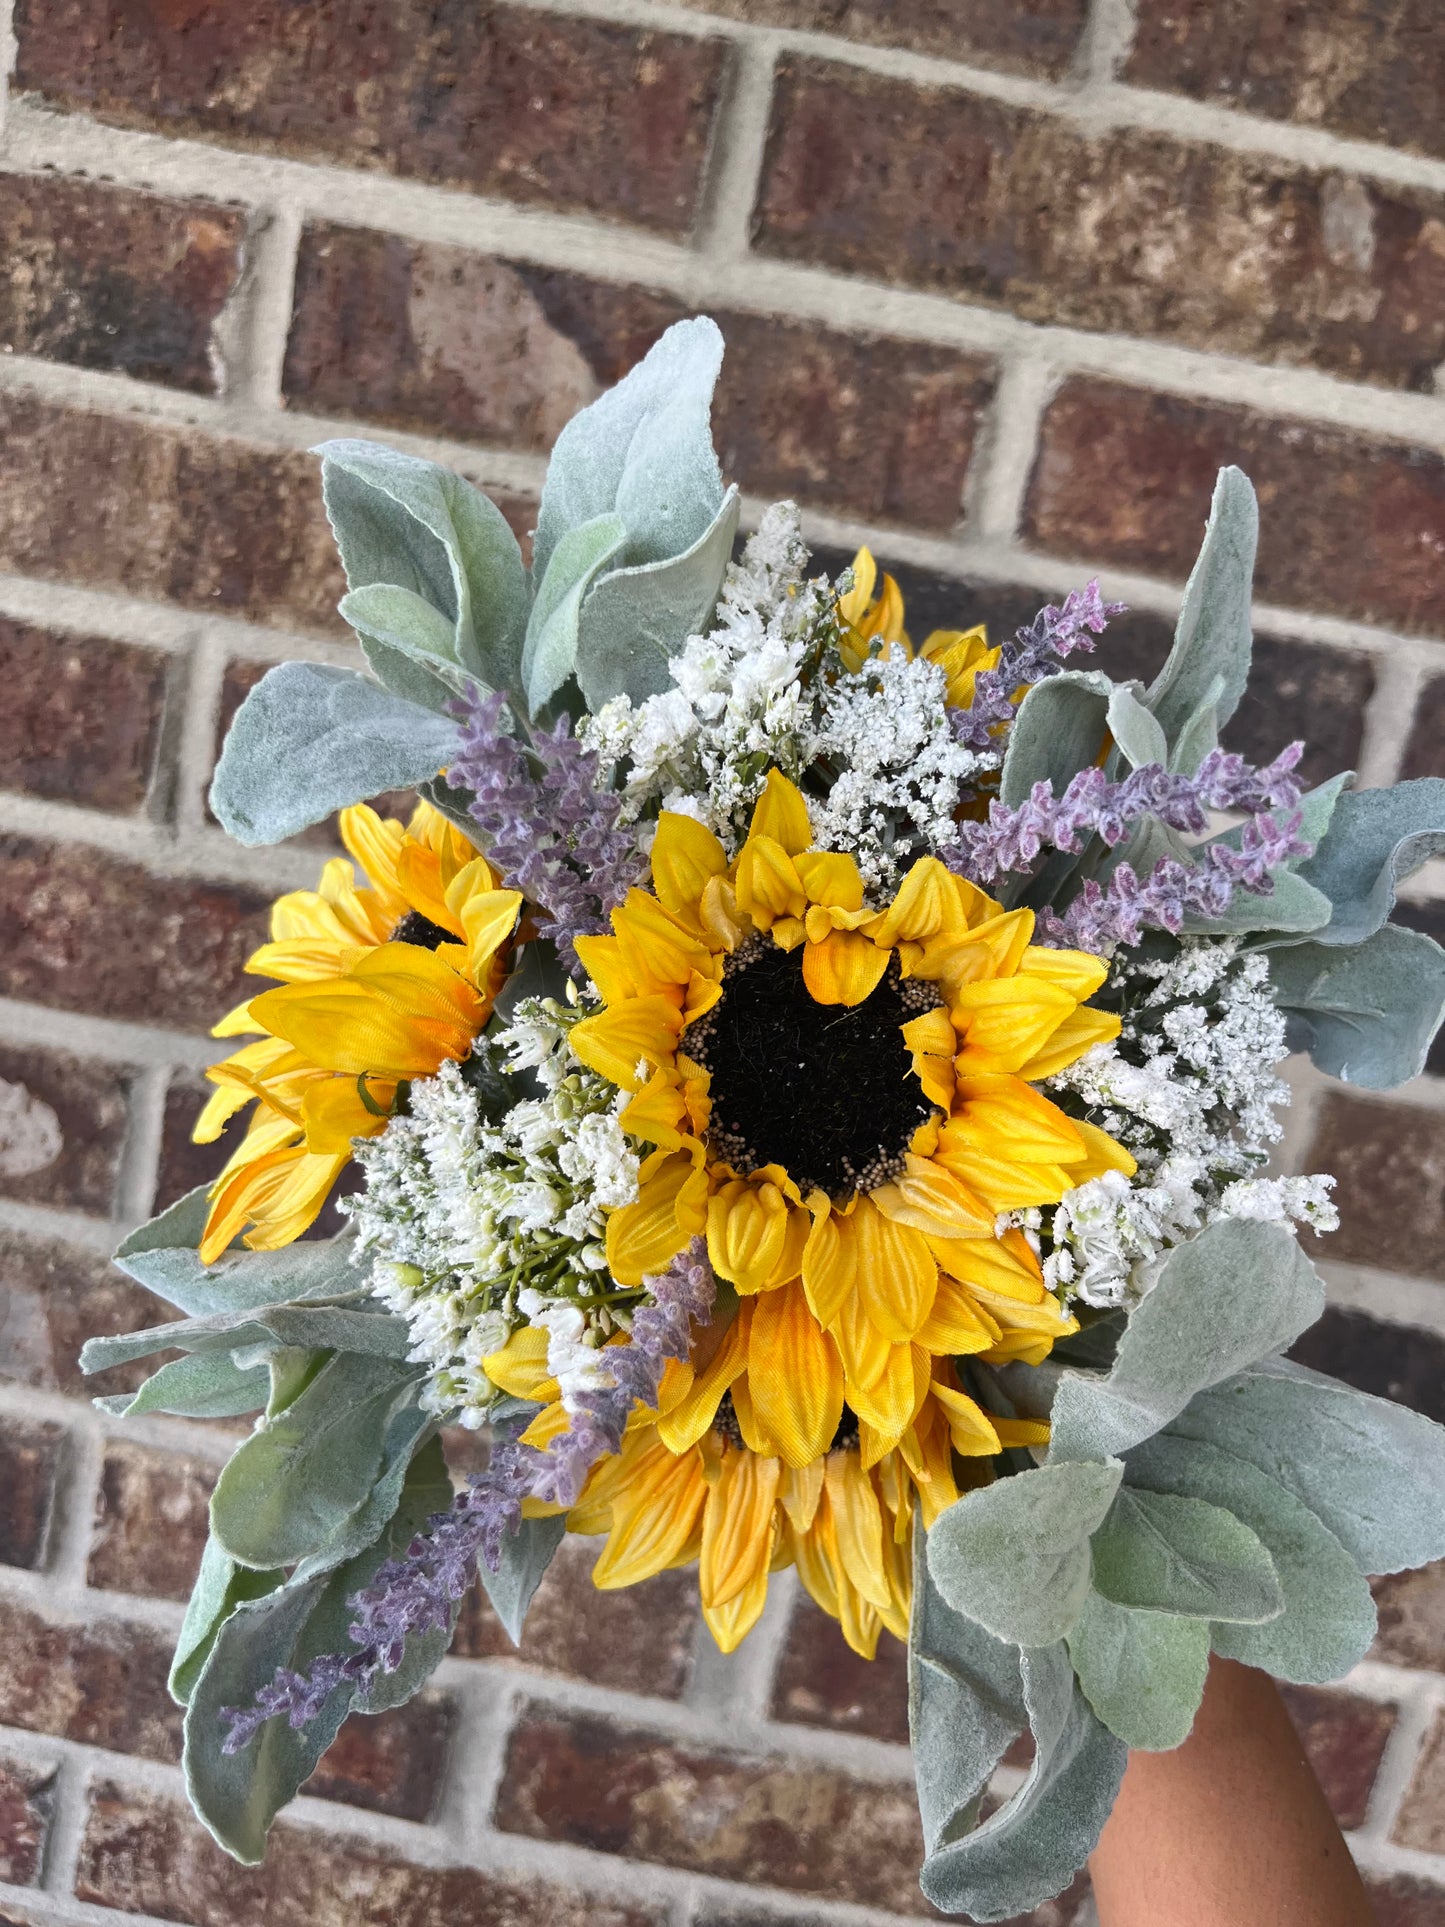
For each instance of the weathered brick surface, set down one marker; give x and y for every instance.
(639, 1640)
(103, 1683)
(1429, 917)
(91, 932)
(26, 1798)
(393, 1763)
(1403, 1902)
(1389, 1162)
(437, 338)
(1036, 38)
(1016, 209)
(166, 513)
(1411, 1606)
(821, 1681)
(1402, 1362)
(141, 1854)
(62, 1128)
(150, 1522)
(781, 1823)
(53, 1297)
(1372, 69)
(1420, 1822)
(1425, 747)
(184, 1164)
(109, 278)
(568, 113)
(1125, 476)
(1345, 1737)
(31, 1457)
(82, 716)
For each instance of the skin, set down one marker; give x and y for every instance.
(1229, 1830)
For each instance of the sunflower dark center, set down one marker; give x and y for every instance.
(825, 1090)
(420, 930)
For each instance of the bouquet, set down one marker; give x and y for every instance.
(812, 1089)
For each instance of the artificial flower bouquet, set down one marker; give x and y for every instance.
(811, 1088)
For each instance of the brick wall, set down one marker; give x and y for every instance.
(1004, 281)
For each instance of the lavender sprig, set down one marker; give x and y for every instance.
(553, 834)
(416, 1593)
(1035, 652)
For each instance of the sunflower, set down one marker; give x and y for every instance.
(380, 984)
(872, 625)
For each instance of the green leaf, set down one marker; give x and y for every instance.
(1328, 1620)
(167, 1264)
(1200, 734)
(1015, 1555)
(1162, 1553)
(1229, 1296)
(1293, 904)
(290, 1488)
(180, 1226)
(525, 1557)
(1366, 1013)
(549, 654)
(1375, 838)
(642, 451)
(404, 621)
(362, 1327)
(636, 619)
(1057, 730)
(965, 1706)
(203, 1385)
(310, 739)
(405, 1429)
(1143, 1673)
(221, 1586)
(1135, 731)
(1030, 1849)
(237, 1796)
(1371, 1471)
(1213, 636)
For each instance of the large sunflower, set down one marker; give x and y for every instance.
(842, 1100)
(379, 984)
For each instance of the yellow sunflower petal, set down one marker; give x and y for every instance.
(831, 877)
(897, 1275)
(737, 1526)
(520, 1367)
(864, 1349)
(658, 944)
(795, 1377)
(830, 1262)
(747, 1232)
(1006, 1021)
(685, 856)
(845, 968)
(931, 902)
(800, 1492)
(767, 882)
(1076, 971)
(858, 1523)
(688, 1420)
(616, 1040)
(1101, 1153)
(969, 1426)
(654, 1515)
(958, 1324)
(643, 1237)
(781, 814)
(931, 1199)
(1079, 1032)
(731, 1623)
(334, 1112)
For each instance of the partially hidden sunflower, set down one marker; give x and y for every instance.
(872, 625)
(380, 983)
(842, 1101)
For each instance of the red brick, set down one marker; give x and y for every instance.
(568, 113)
(821, 1681)
(1352, 526)
(1420, 1822)
(638, 1639)
(780, 1823)
(1036, 38)
(1403, 1902)
(142, 1854)
(90, 932)
(31, 1456)
(103, 1683)
(1345, 1738)
(1389, 1164)
(151, 1522)
(435, 338)
(1427, 916)
(1411, 1606)
(167, 513)
(1425, 750)
(1372, 69)
(62, 1128)
(392, 1763)
(52, 1298)
(108, 278)
(1402, 1362)
(26, 1797)
(82, 719)
(1245, 254)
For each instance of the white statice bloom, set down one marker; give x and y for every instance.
(1190, 1086)
(574, 1358)
(476, 1227)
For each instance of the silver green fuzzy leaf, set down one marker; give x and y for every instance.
(361, 1327)
(1293, 905)
(1057, 731)
(221, 1586)
(1375, 839)
(200, 1385)
(162, 1256)
(1366, 1013)
(525, 1557)
(1142, 1672)
(549, 654)
(1213, 637)
(1159, 1552)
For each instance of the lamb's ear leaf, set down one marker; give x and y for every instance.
(198, 1385)
(642, 451)
(1213, 637)
(1163, 1553)
(1136, 730)
(221, 1586)
(1237, 1291)
(1029, 1849)
(362, 1327)
(1143, 1673)
(1200, 734)
(1058, 729)
(1371, 1471)
(1014, 1556)
(310, 739)
(405, 623)
(525, 1557)
(1366, 1013)
(1292, 905)
(965, 1706)
(1328, 1620)
(180, 1226)
(161, 1256)
(1374, 840)
(549, 654)
(636, 619)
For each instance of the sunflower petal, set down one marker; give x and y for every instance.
(747, 1232)
(858, 1522)
(643, 1237)
(897, 1275)
(737, 1526)
(795, 1377)
(685, 856)
(781, 813)
(845, 968)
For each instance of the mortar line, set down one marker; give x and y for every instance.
(65, 1835)
(250, 334)
(1105, 43)
(1414, 1718)
(141, 1156)
(998, 477)
(112, 1040)
(196, 746)
(734, 1690)
(723, 232)
(69, 1547)
(96, 1235)
(760, 285)
(1389, 714)
(166, 627)
(158, 1432)
(1387, 1296)
(9, 49)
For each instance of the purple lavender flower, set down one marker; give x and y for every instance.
(553, 833)
(1035, 652)
(416, 1593)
